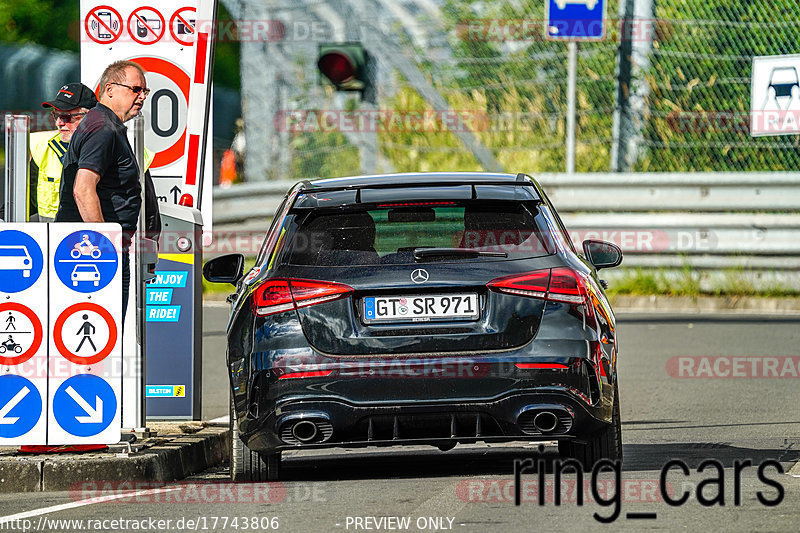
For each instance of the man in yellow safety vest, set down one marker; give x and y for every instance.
(49, 147)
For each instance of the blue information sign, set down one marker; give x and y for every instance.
(20, 406)
(84, 405)
(575, 20)
(86, 261)
(21, 261)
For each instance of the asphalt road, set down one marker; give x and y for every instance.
(666, 415)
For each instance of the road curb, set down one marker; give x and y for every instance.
(166, 458)
(706, 304)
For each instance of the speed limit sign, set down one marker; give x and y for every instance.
(165, 109)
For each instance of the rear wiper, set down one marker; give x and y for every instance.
(465, 253)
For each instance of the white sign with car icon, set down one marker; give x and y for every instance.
(590, 4)
(775, 95)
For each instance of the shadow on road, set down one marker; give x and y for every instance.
(398, 463)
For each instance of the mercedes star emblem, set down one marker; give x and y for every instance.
(420, 275)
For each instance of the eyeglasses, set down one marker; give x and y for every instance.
(136, 89)
(66, 117)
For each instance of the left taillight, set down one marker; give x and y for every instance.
(279, 295)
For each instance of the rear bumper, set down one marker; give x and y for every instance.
(342, 423)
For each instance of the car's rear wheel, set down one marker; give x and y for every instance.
(247, 465)
(605, 444)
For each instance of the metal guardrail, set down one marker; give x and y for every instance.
(747, 224)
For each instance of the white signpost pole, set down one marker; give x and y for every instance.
(16, 175)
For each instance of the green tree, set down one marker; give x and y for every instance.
(51, 23)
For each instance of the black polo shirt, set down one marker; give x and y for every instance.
(100, 143)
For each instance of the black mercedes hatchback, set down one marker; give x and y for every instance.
(419, 309)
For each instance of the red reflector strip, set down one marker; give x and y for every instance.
(553, 366)
(310, 374)
(200, 58)
(192, 155)
(414, 204)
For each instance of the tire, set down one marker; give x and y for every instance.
(247, 465)
(605, 444)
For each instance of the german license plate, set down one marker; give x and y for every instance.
(421, 308)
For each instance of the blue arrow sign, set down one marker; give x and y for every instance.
(20, 406)
(84, 405)
(575, 20)
(86, 261)
(21, 261)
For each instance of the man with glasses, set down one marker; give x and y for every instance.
(100, 182)
(48, 148)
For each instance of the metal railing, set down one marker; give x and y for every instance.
(717, 225)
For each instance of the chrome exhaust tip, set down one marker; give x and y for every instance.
(545, 421)
(304, 431)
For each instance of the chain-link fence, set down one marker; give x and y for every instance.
(668, 89)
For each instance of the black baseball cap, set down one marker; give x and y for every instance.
(73, 95)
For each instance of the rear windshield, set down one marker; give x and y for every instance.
(390, 234)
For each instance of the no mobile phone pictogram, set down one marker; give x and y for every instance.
(103, 24)
(182, 25)
(146, 25)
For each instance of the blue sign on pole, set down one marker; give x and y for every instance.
(21, 261)
(20, 406)
(84, 405)
(86, 261)
(575, 20)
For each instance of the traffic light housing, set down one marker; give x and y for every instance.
(345, 65)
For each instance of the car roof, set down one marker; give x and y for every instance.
(406, 179)
(337, 192)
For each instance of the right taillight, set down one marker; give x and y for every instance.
(567, 286)
(533, 284)
(560, 284)
(279, 295)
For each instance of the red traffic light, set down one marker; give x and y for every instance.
(337, 67)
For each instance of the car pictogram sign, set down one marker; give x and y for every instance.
(103, 24)
(20, 406)
(146, 25)
(86, 261)
(84, 405)
(20, 333)
(85, 333)
(21, 261)
(182, 25)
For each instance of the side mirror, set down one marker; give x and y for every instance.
(224, 269)
(602, 254)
